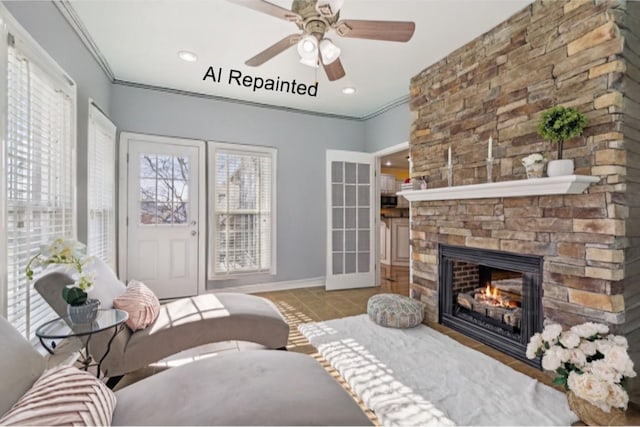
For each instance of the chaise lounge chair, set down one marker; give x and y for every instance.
(182, 324)
(259, 387)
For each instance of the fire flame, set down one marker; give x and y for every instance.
(491, 293)
(492, 296)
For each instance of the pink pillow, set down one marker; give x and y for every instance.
(141, 304)
(62, 396)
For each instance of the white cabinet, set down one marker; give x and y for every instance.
(387, 184)
(400, 241)
(394, 241)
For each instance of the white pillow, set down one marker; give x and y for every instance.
(106, 286)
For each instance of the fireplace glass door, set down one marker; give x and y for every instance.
(492, 296)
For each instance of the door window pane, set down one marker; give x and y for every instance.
(164, 189)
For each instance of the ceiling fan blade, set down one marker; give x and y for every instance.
(395, 31)
(270, 9)
(273, 50)
(334, 70)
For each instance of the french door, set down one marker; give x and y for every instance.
(351, 226)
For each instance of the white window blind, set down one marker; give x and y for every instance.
(242, 197)
(101, 166)
(40, 177)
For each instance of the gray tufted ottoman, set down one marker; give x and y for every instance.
(395, 311)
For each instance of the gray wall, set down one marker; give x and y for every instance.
(388, 129)
(301, 140)
(50, 29)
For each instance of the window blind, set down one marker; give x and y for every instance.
(40, 179)
(243, 211)
(101, 166)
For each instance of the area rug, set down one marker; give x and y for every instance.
(419, 376)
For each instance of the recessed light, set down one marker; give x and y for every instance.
(185, 55)
(349, 90)
(388, 163)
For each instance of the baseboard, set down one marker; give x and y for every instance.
(274, 286)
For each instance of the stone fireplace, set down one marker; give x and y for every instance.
(579, 53)
(492, 296)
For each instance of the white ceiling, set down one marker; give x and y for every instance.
(140, 41)
(399, 160)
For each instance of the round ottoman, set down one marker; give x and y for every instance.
(395, 311)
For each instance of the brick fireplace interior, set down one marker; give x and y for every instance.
(579, 53)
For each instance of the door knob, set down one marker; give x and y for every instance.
(194, 232)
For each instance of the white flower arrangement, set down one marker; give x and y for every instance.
(72, 254)
(532, 159)
(588, 362)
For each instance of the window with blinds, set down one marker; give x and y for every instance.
(39, 176)
(101, 166)
(243, 221)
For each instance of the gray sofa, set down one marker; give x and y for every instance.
(259, 387)
(182, 324)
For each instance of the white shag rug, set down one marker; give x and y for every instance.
(418, 376)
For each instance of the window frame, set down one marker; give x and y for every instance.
(97, 118)
(28, 47)
(272, 153)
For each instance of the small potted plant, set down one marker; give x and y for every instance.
(591, 364)
(72, 254)
(558, 124)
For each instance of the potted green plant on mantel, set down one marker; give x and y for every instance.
(558, 124)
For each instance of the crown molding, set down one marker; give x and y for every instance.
(390, 106)
(70, 14)
(233, 100)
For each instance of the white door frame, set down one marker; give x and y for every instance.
(123, 208)
(379, 154)
(357, 279)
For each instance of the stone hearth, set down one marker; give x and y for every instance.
(579, 53)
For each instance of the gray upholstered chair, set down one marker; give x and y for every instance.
(241, 388)
(182, 324)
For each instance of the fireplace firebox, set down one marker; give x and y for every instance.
(492, 296)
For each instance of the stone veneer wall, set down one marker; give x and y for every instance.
(578, 53)
(629, 22)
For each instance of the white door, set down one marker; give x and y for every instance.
(351, 226)
(165, 235)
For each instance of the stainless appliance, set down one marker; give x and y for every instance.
(387, 201)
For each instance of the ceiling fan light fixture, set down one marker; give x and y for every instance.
(329, 51)
(308, 51)
(308, 46)
(187, 56)
(310, 62)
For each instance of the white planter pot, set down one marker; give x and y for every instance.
(560, 167)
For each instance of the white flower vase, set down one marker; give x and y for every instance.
(560, 167)
(534, 170)
(85, 313)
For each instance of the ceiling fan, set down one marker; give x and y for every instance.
(315, 18)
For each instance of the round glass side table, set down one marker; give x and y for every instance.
(63, 327)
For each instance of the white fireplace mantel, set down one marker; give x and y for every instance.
(568, 184)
